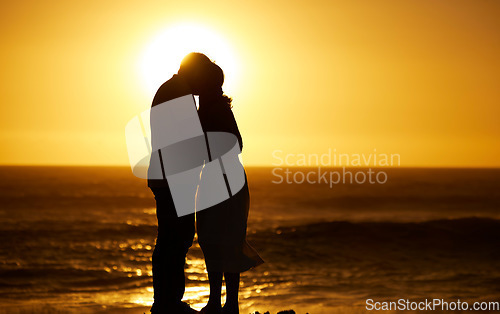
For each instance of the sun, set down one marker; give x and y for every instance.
(162, 57)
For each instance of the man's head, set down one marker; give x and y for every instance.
(202, 75)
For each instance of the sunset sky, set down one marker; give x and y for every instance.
(416, 78)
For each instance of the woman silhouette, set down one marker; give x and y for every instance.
(221, 228)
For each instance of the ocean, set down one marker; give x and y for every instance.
(80, 240)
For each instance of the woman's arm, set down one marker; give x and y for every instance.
(234, 129)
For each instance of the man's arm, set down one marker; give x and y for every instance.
(171, 89)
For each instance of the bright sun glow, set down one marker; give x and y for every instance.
(163, 55)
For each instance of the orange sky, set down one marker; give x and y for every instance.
(414, 78)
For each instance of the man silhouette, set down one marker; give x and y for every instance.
(175, 234)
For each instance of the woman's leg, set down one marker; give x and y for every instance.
(232, 288)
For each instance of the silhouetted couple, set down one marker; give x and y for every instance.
(221, 228)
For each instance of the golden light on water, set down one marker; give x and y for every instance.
(197, 291)
(196, 296)
(143, 299)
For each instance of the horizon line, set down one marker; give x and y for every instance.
(271, 166)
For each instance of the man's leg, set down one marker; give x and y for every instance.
(175, 236)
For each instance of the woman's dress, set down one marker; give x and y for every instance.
(222, 228)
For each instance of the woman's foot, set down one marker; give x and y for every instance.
(231, 308)
(211, 308)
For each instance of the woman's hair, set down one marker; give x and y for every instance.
(204, 76)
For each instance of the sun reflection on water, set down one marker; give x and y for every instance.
(197, 287)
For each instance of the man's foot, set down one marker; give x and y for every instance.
(231, 309)
(184, 308)
(180, 308)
